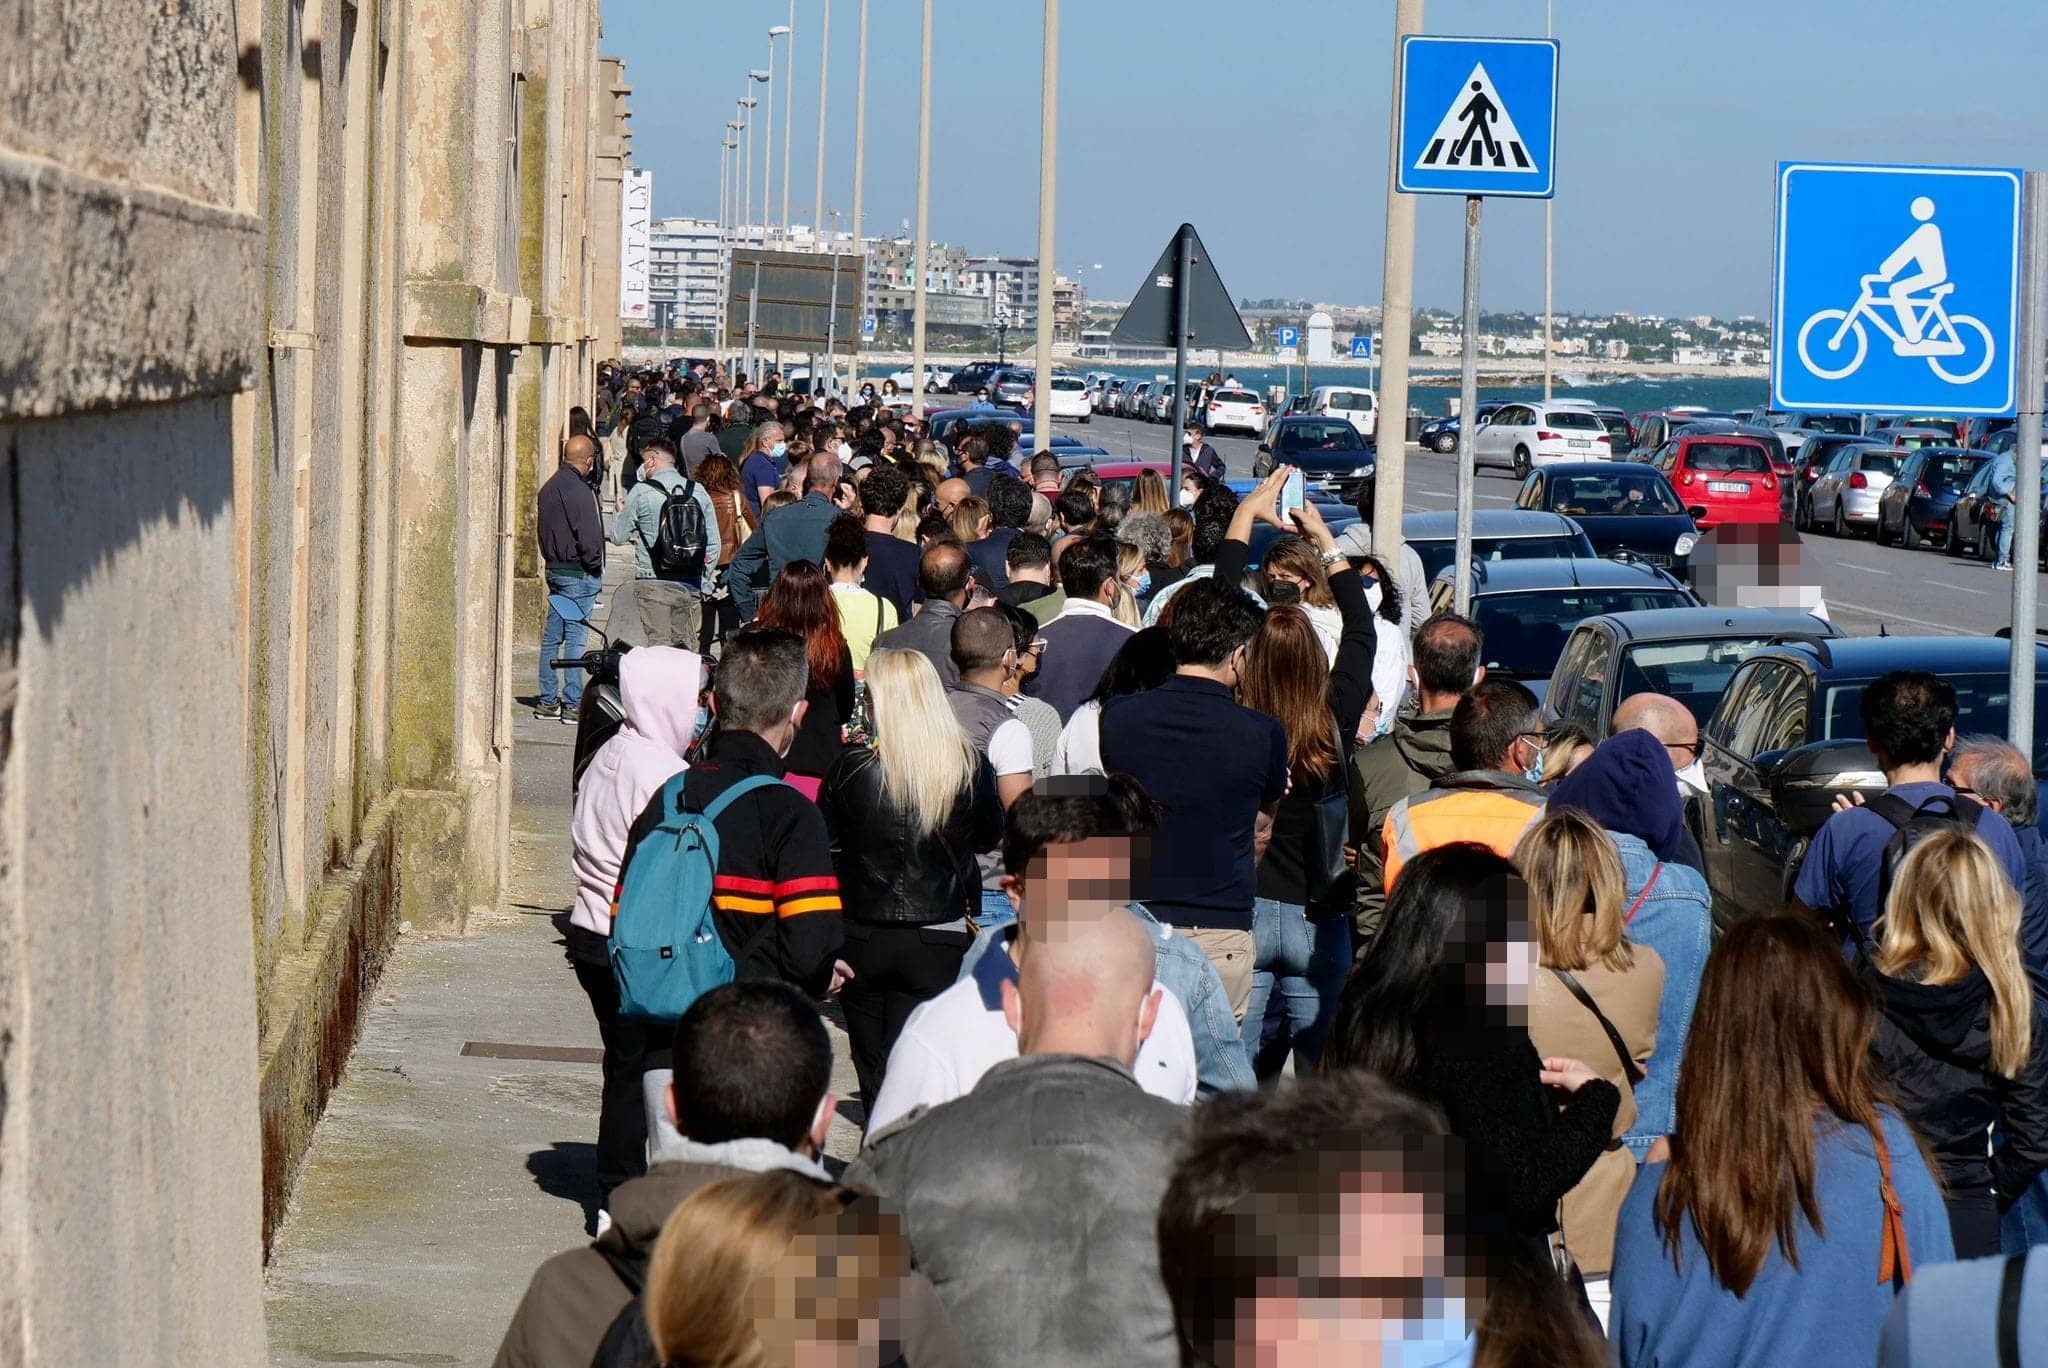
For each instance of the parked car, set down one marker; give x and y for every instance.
(1621, 438)
(1108, 397)
(1527, 609)
(1688, 654)
(1834, 424)
(1522, 436)
(1333, 459)
(1498, 534)
(1913, 438)
(1441, 434)
(1070, 398)
(937, 379)
(1133, 400)
(973, 376)
(1978, 514)
(1012, 387)
(1786, 740)
(1721, 479)
(1952, 429)
(1237, 409)
(943, 424)
(1624, 509)
(1654, 429)
(1846, 494)
(1915, 507)
(1807, 464)
(1355, 404)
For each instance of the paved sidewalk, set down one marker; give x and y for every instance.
(438, 1181)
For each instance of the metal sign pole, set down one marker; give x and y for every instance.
(753, 309)
(2026, 541)
(1468, 400)
(831, 335)
(1183, 265)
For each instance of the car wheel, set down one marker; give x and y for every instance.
(1521, 463)
(1841, 524)
(1884, 538)
(1446, 443)
(1949, 544)
(1084, 417)
(1802, 514)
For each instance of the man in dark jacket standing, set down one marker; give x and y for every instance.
(1082, 640)
(794, 532)
(572, 551)
(944, 581)
(1411, 757)
(1043, 1248)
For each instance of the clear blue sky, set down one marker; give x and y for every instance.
(1265, 125)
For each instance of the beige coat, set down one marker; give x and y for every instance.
(1560, 1025)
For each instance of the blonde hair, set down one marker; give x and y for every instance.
(1130, 559)
(1576, 892)
(1951, 910)
(927, 760)
(714, 1251)
(967, 516)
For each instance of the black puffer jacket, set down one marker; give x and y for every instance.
(889, 873)
(1934, 1045)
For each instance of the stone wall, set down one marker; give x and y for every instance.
(293, 304)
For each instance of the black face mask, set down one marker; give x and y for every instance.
(1283, 592)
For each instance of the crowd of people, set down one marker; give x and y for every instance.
(1233, 972)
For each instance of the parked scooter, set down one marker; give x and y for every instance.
(601, 712)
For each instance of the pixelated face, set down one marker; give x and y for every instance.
(1081, 878)
(1749, 566)
(1510, 967)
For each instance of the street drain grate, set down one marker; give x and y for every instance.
(552, 1054)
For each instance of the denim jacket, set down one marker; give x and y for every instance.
(1676, 919)
(1180, 964)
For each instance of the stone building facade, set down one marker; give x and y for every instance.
(294, 298)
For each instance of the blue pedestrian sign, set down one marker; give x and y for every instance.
(1361, 349)
(1478, 116)
(1286, 336)
(1897, 288)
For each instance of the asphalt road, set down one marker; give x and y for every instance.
(1864, 585)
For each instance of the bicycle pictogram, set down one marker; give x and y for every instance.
(1958, 348)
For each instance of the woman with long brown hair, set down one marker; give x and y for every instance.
(721, 480)
(1294, 573)
(1795, 1200)
(801, 602)
(1961, 1039)
(1149, 494)
(1595, 999)
(1301, 924)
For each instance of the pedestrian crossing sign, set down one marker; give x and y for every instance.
(1478, 116)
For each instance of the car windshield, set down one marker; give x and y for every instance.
(1946, 472)
(1060, 382)
(1578, 420)
(1436, 556)
(1695, 673)
(1331, 435)
(1881, 462)
(1620, 493)
(1719, 457)
(1981, 701)
(1525, 633)
(1235, 397)
(1616, 425)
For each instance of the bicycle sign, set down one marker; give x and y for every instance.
(1897, 288)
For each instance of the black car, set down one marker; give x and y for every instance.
(1621, 435)
(1527, 609)
(1498, 534)
(1686, 653)
(1787, 739)
(1333, 459)
(1623, 508)
(1916, 505)
(973, 376)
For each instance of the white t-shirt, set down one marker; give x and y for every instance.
(1080, 747)
(1009, 748)
(956, 1037)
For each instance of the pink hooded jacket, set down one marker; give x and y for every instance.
(658, 687)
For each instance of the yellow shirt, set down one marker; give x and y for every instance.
(862, 617)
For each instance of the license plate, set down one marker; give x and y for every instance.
(1578, 441)
(1727, 487)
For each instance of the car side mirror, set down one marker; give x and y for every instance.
(1696, 512)
(1805, 780)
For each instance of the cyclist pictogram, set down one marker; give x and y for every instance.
(1914, 279)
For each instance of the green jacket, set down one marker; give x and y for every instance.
(1404, 762)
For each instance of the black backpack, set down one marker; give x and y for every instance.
(1912, 825)
(677, 551)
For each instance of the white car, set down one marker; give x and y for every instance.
(934, 379)
(1238, 409)
(1522, 436)
(1070, 397)
(1360, 407)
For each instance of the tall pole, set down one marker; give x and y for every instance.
(788, 108)
(768, 140)
(1468, 400)
(1183, 266)
(1548, 205)
(1048, 159)
(2026, 540)
(924, 204)
(818, 185)
(1397, 291)
(724, 168)
(860, 152)
(747, 155)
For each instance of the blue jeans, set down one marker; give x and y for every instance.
(1220, 1060)
(2026, 1221)
(1280, 936)
(2005, 526)
(560, 638)
(995, 909)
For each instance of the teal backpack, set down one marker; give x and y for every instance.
(665, 948)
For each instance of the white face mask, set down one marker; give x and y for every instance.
(1373, 596)
(1694, 777)
(1187, 497)
(845, 453)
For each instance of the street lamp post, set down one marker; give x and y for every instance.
(824, 72)
(924, 185)
(788, 106)
(1048, 158)
(747, 157)
(768, 137)
(860, 148)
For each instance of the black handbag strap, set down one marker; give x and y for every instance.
(2009, 1286)
(1578, 990)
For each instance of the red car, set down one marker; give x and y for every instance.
(1721, 478)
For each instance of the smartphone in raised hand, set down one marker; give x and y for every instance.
(1292, 494)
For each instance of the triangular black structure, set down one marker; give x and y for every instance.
(1212, 318)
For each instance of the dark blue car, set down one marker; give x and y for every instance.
(1916, 507)
(1623, 507)
(1441, 434)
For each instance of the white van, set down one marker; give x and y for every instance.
(1357, 405)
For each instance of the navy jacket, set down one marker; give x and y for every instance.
(1078, 647)
(793, 532)
(571, 533)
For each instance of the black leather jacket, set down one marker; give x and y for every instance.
(888, 873)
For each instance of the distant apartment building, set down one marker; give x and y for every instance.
(682, 272)
(1010, 285)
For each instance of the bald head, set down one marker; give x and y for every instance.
(1665, 718)
(950, 493)
(942, 573)
(822, 477)
(1085, 987)
(579, 453)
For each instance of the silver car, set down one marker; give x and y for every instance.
(1845, 493)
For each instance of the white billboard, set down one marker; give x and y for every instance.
(635, 214)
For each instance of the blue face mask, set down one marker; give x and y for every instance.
(703, 724)
(1144, 584)
(779, 450)
(1534, 774)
